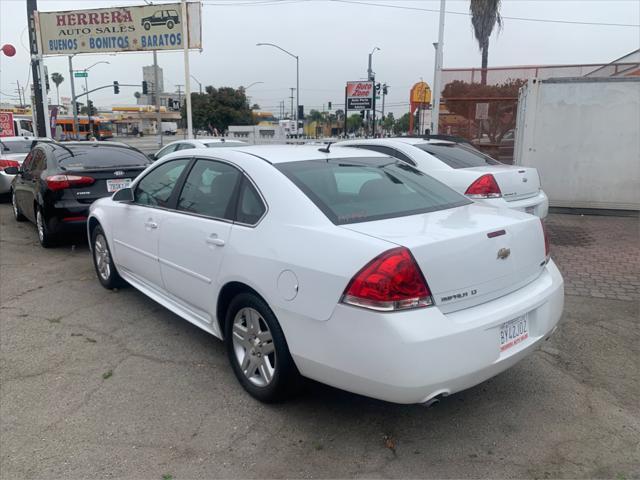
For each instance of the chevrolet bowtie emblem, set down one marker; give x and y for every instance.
(503, 253)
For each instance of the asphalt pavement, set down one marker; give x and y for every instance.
(108, 384)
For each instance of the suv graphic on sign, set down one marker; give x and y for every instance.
(161, 17)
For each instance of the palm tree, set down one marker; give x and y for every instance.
(484, 15)
(57, 79)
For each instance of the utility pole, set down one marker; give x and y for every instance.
(372, 78)
(41, 115)
(179, 87)
(437, 80)
(187, 78)
(74, 105)
(157, 97)
(291, 97)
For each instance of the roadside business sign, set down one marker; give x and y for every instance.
(6, 124)
(121, 29)
(360, 95)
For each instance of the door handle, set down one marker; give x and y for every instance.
(150, 224)
(214, 240)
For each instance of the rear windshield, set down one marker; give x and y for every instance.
(349, 191)
(457, 156)
(97, 157)
(15, 146)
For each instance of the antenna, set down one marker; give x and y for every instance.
(325, 149)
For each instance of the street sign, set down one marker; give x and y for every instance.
(482, 111)
(80, 74)
(360, 95)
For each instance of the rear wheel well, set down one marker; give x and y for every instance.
(227, 294)
(93, 223)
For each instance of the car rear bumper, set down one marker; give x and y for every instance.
(537, 205)
(5, 182)
(415, 356)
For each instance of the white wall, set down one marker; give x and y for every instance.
(583, 136)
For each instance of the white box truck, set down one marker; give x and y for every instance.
(583, 136)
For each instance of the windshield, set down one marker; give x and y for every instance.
(457, 156)
(360, 190)
(16, 146)
(106, 157)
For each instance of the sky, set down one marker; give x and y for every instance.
(333, 40)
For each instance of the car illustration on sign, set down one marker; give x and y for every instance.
(161, 17)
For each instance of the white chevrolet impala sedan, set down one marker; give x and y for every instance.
(348, 267)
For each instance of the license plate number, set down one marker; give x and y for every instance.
(530, 210)
(513, 332)
(119, 184)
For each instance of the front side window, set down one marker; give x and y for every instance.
(156, 187)
(367, 189)
(167, 150)
(209, 188)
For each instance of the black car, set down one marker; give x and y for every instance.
(57, 183)
(161, 17)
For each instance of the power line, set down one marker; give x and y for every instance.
(419, 9)
(466, 14)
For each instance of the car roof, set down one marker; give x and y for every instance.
(391, 140)
(299, 153)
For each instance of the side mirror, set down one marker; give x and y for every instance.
(152, 157)
(12, 170)
(123, 195)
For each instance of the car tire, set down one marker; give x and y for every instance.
(170, 24)
(258, 351)
(46, 238)
(17, 214)
(147, 26)
(103, 261)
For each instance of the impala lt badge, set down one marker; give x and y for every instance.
(503, 253)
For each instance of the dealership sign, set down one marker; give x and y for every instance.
(360, 95)
(6, 124)
(122, 29)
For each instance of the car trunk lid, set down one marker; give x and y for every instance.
(468, 255)
(516, 183)
(106, 182)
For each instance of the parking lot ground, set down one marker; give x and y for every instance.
(108, 384)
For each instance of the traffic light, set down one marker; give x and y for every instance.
(362, 114)
(385, 89)
(116, 87)
(145, 88)
(329, 106)
(377, 87)
(300, 112)
(170, 103)
(46, 78)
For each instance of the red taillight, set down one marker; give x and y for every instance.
(391, 281)
(484, 187)
(547, 244)
(9, 163)
(60, 182)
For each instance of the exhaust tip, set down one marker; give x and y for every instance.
(433, 401)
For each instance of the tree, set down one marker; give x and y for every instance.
(388, 122)
(255, 106)
(354, 122)
(89, 109)
(484, 15)
(502, 116)
(57, 79)
(314, 116)
(219, 108)
(402, 124)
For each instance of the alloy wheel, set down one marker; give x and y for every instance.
(253, 347)
(102, 257)
(40, 225)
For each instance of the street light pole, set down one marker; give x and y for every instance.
(297, 77)
(74, 105)
(198, 82)
(86, 86)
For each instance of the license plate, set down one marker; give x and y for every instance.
(530, 210)
(118, 184)
(513, 332)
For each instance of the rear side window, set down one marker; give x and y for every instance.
(349, 191)
(156, 187)
(250, 206)
(456, 155)
(209, 189)
(71, 157)
(392, 152)
(15, 146)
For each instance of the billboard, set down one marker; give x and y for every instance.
(6, 124)
(121, 29)
(360, 95)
